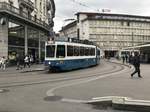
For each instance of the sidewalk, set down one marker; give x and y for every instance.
(33, 68)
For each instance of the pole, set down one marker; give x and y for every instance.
(26, 40)
(132, 43)
(132, 40)
(39, 50)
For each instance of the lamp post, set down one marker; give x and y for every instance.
(132, 44)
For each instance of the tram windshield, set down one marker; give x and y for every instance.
(60, 51)
(50, 51)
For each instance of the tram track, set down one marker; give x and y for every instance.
(116, 68)
(24, 83)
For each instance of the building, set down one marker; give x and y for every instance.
(69, 30)
(24, 27)
(112, 32)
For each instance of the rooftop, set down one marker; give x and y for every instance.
(69, 25)
(108, 16)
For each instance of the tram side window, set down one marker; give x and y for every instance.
(81, 51)
(50, 51)
(87, 51)
(69, 50)
(60, 51)
(76, 51)
(92, 51)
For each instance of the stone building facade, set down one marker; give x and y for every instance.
(112, 32)
(25, 26)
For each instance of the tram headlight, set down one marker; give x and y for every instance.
(49, 62)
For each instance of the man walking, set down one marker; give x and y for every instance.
(136, 64)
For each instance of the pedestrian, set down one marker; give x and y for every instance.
(26, 61)
(136, 64)
(32, 59)
(126, 58)
(18, 60)
(3, 63)
(123, 59)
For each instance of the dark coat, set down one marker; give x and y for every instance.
(130, 59)
(136, 61)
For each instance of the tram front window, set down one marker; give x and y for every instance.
(50, 51)
(60, 51)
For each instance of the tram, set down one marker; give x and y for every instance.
(64, 56)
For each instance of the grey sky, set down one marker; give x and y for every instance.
(67, 8)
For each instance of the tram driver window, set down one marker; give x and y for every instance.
(60, 51)
(50, 51)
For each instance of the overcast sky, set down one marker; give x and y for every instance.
(65, 9)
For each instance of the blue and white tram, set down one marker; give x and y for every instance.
(63, 56)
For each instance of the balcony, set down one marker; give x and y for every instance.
(26, 3)
(14, 13)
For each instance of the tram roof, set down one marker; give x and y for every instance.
(71, 43)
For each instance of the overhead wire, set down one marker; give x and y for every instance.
(84, 5)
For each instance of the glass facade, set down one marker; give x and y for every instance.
(17, 42)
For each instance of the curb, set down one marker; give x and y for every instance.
(34, 70)
(122, 103)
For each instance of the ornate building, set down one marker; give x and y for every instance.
(24, 27)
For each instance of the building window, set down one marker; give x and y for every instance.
(40, 6)
(128, 23)
(121, 23)
(35, 3)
